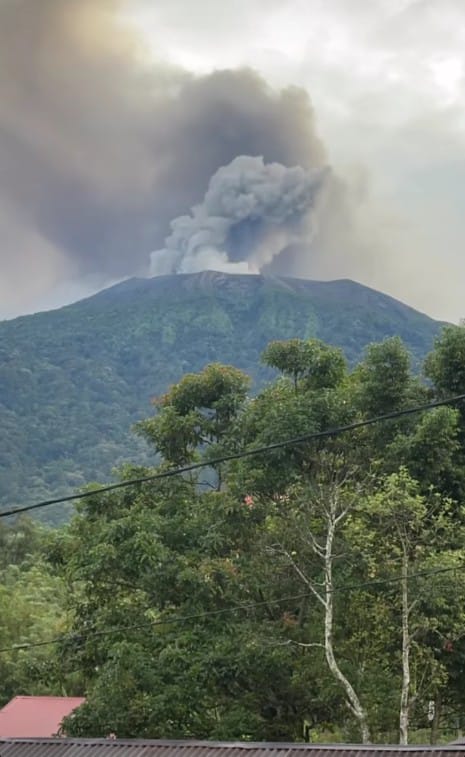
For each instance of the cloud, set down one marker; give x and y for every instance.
(114, 116)
(387, 81)
(100, 147)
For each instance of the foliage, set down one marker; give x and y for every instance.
(311, 361)
(445, 366)
(198, 411)
(75, 380)
(32, 608)
(316, 588)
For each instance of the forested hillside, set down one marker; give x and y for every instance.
(73, 381)
(310, 591)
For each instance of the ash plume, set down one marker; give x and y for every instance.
(251, 212)
(100, 148)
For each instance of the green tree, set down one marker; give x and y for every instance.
(310, 362)
(430, 449)
(320, 507)
(196, 415)
(385, 377)
(445, 365)
(32, 609)
(193, 650)
(403, 534)
(283, 594)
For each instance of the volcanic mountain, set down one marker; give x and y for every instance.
(73, 381)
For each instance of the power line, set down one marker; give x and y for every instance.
(222, 611)
(153, 623)
(237, 455)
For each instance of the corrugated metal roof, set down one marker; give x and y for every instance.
(66, 747)
(35, 716)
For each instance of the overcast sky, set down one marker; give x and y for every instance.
(111, 124)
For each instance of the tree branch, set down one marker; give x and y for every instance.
(302, 576)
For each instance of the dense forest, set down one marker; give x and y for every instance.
(74, 381)
(315, 590)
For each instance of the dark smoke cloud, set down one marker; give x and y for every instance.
(100, 149)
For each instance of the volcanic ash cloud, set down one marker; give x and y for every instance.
(252, 211)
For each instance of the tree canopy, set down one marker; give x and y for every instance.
(311, 591)
(74, 381)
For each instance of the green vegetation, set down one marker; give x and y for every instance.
(311, 590)
(32, 608)
(74, 381)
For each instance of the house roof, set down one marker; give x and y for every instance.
(35, 716)
(68, 747)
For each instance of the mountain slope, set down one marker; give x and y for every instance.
(74, 380)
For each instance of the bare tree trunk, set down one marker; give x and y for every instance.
(352, 698)
(436, 719)
(404, 713)
(333, 511)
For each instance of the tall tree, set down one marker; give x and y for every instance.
(310, 362)
(196, 415)
(289, 588)
(320, 506)
(403, 534)
(445, 365)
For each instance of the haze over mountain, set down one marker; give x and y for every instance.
(73, 381)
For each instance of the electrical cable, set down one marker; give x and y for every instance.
(221, 611)
(236, 455)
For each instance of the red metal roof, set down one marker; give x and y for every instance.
(35, 717)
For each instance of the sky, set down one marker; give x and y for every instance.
(115, 116)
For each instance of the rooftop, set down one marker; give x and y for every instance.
(35, 716)
(69, 747)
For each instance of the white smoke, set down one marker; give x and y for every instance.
(250, 213)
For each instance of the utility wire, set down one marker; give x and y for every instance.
(237, 455)
(222, 611)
